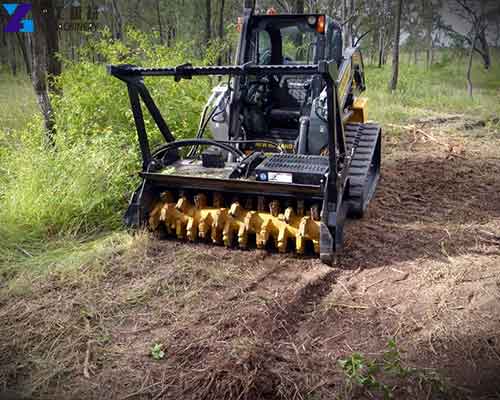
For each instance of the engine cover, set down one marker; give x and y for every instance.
(293, 168)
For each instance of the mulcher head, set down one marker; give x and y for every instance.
(236, 225)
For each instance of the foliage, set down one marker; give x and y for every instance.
(156, 352)
(82, 186)
(95, 104)
(375, 375)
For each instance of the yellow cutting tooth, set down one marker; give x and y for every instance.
(182, 204)
(263, 235)
(243, 236)
(288, 214)
(204, 225)
(179, 229)
(191, 229)
(235, 209)
(155, 216)
(228, 232)
(301, 235)
(282, 238)
(274, 208)
(200, 201)
(218, 225)
(250, 221)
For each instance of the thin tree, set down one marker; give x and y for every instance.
(208, 21)
(469, 65)
(395, 49)
(12, 54)
(221, 27)
(45, 64)
(478, 15)
(117, 19)
(429, 19)
(21, 39)
(381, 34)
(160, 26)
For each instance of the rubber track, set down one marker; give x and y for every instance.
(363, 138)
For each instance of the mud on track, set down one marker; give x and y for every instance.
(423, 267)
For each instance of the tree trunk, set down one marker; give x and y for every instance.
(118, 20)
(24, 51)
(350, 29)
(160, 27)
(221, 27)
(395, 49)
(345, 15)
(208, 21)
(44, 47)
(485, 49)
(381, 47)
(469, 66)
(429, 16)
(221, 19)
(53, 63)
(11, 54)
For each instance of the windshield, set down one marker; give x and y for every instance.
(292, 45)
(298, 47)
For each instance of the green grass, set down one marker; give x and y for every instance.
(17, 102)
(441, 90)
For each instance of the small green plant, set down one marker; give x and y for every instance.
(362, 372)
(156, 352)
(372, 374)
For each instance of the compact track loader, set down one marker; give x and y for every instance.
(283, 154)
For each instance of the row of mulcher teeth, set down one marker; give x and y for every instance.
(235, 224)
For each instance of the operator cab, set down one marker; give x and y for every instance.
(272, 106)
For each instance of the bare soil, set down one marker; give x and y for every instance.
(422, 268)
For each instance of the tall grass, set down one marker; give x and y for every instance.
(62, 196)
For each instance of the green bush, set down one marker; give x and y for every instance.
(82, 186)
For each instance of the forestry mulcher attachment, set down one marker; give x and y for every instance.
(283, 153)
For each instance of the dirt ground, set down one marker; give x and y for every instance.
(422, 268)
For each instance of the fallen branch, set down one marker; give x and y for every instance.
(415, 130)
(86, 362)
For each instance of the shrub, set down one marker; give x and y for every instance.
(82, 186)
